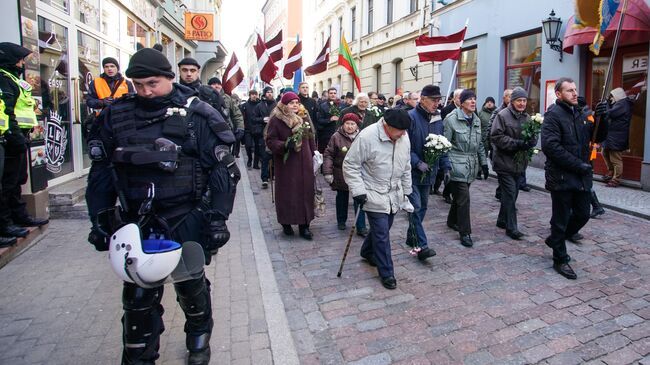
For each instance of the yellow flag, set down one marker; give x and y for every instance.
(587, 13)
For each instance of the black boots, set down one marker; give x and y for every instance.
(304, 232)
(28, 221)
(286, 228)
(199, 347)
(7, 241)
(597, 208)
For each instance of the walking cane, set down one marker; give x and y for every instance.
(347, 247)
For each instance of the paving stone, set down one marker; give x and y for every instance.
(378, 359)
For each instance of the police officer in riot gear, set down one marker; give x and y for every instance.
(19, 108)
(4, 125)
(164, 135)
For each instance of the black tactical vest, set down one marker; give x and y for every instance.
(137, 161)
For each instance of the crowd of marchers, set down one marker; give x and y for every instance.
(376, 151)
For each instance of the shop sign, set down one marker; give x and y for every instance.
(635, 64)
(56, 141)
(199, 26)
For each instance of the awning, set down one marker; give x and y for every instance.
(636, 28)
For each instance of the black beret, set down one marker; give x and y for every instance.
(349, 94)
(431, 91)
(110, 60)
(214, 80)
(148, 62)
(397, 118)
(189, 61)
(11, 53)
(466, 94)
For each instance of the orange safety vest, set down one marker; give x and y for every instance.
(104, 91)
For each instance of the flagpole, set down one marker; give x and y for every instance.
(453, 72)
(608, 75)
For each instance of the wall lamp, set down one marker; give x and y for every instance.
(414, 71)
(551, 26)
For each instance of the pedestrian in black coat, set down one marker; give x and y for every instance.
(618, 111)
(566, 134)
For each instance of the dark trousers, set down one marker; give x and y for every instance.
(142, 320)
(521, 182)
(570, 212)
(342, 199)
(258, 149)
(509, 194)
(265, 172)
(419, 198)
(100, 191)
(13, 176)
(249, 145)
(459, 210)
(376, 246)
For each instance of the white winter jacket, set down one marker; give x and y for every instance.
(379, 168)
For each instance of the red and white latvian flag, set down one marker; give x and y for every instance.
(264, 61)
(320, 65)
(233, 75)
(440, 48)
(274, 45)
(294, 61)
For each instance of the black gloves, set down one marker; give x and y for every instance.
(239, 134)
(291, 145)
(218, 235)
(486, 171)
(422, 166)
(447, 177)
(98, 238)
(361, 199)
(521, 144)
(585, 168)
(234, 172)
(601, 109)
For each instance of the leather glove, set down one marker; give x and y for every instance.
(486, 171)
(422, 166)
(447, 177)
(291, 145)
(585, 168)
(239, 134)
(233, 171)
(601, 109)
(329, 179)
(521, 144)
(98, 238)
(218, 235)
(107, 101)
(360, 199)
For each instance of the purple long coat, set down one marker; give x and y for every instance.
(294, 179)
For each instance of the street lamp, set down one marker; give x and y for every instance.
(551, 26)
(414, 71)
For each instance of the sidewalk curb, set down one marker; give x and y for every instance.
(283, 349)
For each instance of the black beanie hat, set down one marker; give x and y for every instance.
(489, 98)
(466, 94)
(214, 80)
(110, 60)
(189, 61)
(11, 53)
(397, 118)
(148, 62)
(267, 89)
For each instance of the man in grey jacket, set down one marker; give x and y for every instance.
(377, 170)
(507, 141)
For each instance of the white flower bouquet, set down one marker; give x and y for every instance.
(434, 147)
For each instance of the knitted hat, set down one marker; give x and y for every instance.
(11, 53)
(618, 94)
(148, 62)
(214, 80)
(489, 99)
(288, 97)
(518, 93)
(266, 90)
(189, 61)
(466, 94)
(431, 91)
(110, 60)
(397, 118)
(351, 116)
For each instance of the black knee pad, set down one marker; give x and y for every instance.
(194, 298)
(142, 324)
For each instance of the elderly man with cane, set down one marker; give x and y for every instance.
(377, 170)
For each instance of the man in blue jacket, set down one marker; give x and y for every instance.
(425, 120)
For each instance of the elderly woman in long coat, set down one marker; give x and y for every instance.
(290, 137)
(361, 107)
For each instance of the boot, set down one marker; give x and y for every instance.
(7, 241)
(199, 347)
(304, 232)
(597, 208)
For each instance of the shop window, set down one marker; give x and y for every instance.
(524, 66)
(52, 139)
(353, 23)
(370, 15)
(89, 68)
(63, 5)
(88, 12)
(466, 73)
(398, 74)
(111, 20)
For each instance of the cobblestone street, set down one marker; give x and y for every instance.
(497, 303)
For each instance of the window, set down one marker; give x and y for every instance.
(353, 17)
(111, 20)
(524, 66)
(370, 15)
(414, 6)
(378, 78)
(389, 11)
(466, 74)
(63, 5)
(88, 12)
(340, 26)
(398, 74)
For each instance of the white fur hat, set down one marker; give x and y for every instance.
(618, 94)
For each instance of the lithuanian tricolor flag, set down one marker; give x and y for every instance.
(346, 60)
